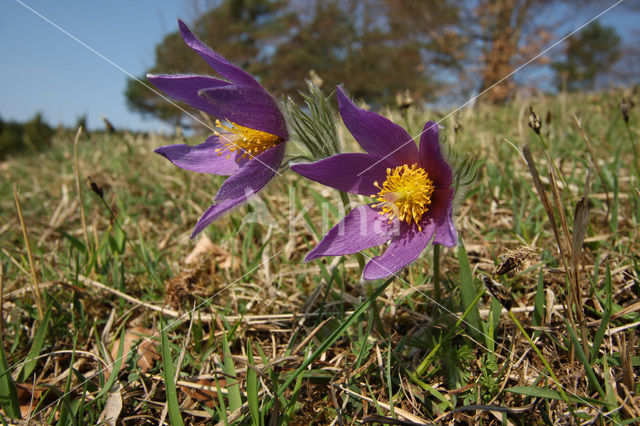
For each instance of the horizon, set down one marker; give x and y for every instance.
(127, 43)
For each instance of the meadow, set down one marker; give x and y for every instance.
(111, 314)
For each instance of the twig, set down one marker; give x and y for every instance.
(310, 336)
(336, 406)
(398, 411)
(249, 319)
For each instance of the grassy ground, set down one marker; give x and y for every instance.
(233, 327)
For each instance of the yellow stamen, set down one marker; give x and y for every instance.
(250, 142)
(405, 194)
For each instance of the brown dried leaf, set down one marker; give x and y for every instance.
(209, 397)
(204, 245)
(28, 397)
(112, 408)
(146, 350)
(221, 257)
(580, 223)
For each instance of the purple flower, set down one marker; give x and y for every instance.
(411, 188)
(249, 142)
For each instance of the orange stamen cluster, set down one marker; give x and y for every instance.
(405, 194)
(250, 142)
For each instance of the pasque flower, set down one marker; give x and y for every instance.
(411, 188)
(248, 143)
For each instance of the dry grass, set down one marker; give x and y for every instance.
(257, 336)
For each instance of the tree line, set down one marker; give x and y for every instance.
(434, 49)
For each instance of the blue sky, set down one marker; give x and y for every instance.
(45, 70)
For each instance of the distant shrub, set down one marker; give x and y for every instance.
(34, 136)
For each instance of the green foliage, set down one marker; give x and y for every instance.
(281, 41)
(8, 392)
(590, 53)
(468, 295)
(34, 136)
(169, 380)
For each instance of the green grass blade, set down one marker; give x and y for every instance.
(388, 376)
(553, 394)
(252, 388)
(169, 383)
(233, 387)
(292, 399)
(222, 407)
(66, 409)
(611, 393)
(422, 368)
(591, 376)
(604, 323)
(115, 369)
(335, 335)
(8, 392)
(468, 294)
(36, 347)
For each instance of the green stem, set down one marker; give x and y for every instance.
(544, 142)
(553, 163)
(436, 272)
(375, 311)
(635, 148)
(345, 201)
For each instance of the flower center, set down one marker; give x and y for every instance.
(250, 142)
(405, 194)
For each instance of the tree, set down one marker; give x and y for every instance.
(377, 48)
(506, 34)
(241, 30)
(433, 26)
(589, 54)
(34, 135)
(361, 43)
(351, 42)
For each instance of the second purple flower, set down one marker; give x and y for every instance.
(249, 142)
(411, 187)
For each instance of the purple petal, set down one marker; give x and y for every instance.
(401, 251)
(186, 88)
(216, 61)
(253, 176)
(362, 228)
(431, 158)
(445, 232)
(201, 158)
(215, 211)
(376, 134)
(248, 107)
(351, 172)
